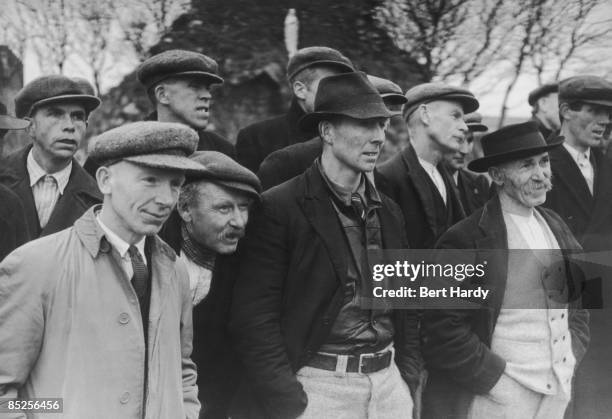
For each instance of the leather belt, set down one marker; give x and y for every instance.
(363, 364)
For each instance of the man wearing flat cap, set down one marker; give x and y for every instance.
(416, 178)
(582, 196)
(100, 314)
(544, 102)
(293, 160)
(305, 70)
(308, 348)
(12, 220)
(473, 189)
(213, 210)
(515, 356)
(52, 185)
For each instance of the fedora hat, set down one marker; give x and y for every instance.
(510, 143)
(347, 94)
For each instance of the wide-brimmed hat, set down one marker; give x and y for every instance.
(474, 123)
(588, 89)
(9, 122)
(511, 143)
(542, 91)
(162, 145)
(430, 92)
(52, 89)
(348, 94)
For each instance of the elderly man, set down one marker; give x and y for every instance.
(515, 356)
(309, 349)
(305, 70)
(415, 178)
(293, 160)
(213, 211)
(473, 189)
(12, 220)
(544, 102)
(100, 314)
(54, 189)
(582, 196)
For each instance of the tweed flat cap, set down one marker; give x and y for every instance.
(542, 91)
(178, 62)
(85, 86)
(312, 56)
(9, 122)
(589, 89)
(163, 145)
(474, 123)
(390, 92)
(430, 92)
(223, 170)
(51, 89)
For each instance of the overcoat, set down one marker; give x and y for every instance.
(473, 190)
(12, 222)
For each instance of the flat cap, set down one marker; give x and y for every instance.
(474, 123)
(223, 170)
(9, 122)
(542, 91)
(429, 92)
(162, 145)
(312, 56)
(51, 89)
(589, 89)
(178, 62)
(390, 92)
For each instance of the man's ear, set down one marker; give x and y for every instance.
(30, 129)
(424, 114)
(497, 175)
(161, 94)
(564, 111)
(183, 212)
(299, 89)
(103, 177)
(326, 131)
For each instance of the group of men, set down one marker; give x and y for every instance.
(133, 288)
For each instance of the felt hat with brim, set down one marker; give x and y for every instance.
(10, 122)
(510, 143)
(587, 89)
(46, 90)
(225, 171)
(347, 94)
(474, 123)
(430, 92)
(178, 63)
(542, 91)
(161, 145)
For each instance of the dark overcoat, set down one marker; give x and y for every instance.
(456, 343)
(13, 227)
(473, 190)
(290, 290)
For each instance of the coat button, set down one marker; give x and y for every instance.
(562, 315)
(124, 318)
(125, 397)
(548, 386)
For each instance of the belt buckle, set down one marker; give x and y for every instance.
(362, 357)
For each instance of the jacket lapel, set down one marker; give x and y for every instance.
(567, 172)
(417, 175)
(602, 188)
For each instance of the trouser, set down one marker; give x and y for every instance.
(509, 399)
(379, 395)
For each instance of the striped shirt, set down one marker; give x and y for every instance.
(46, 187)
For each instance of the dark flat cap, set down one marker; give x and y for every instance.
(542, 91)
(347, 94)
(51, 89)
(223, 170)
(474, 123)
(589, 89)
(178, 62)
(312, 56)
(430, 92)
(163, 145)
(512, 142)
(9, 122)
(85, 86)
(390, 92)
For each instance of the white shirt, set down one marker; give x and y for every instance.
(122, 248)
(583, 162)
(46, 187)
(199, 279)
(435, 176)
(532, 230)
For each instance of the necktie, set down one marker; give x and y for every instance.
(48, 199)
(587, 170)
(358, 206)
(141, 274)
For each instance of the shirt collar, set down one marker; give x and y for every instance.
(366, 189)
(577, 155)
(429, 168)
(117, 242)
(36, 173)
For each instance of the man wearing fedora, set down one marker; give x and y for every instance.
(582, 196)
(213, 210)
(293, 160)
(53, 187)
(99, 314)
(513, 357)
(305, 70)
(473, 189)
(544, 102)
(416, 178)
(309, 349)
(12, 220)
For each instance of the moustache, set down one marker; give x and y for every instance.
(537, 186)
